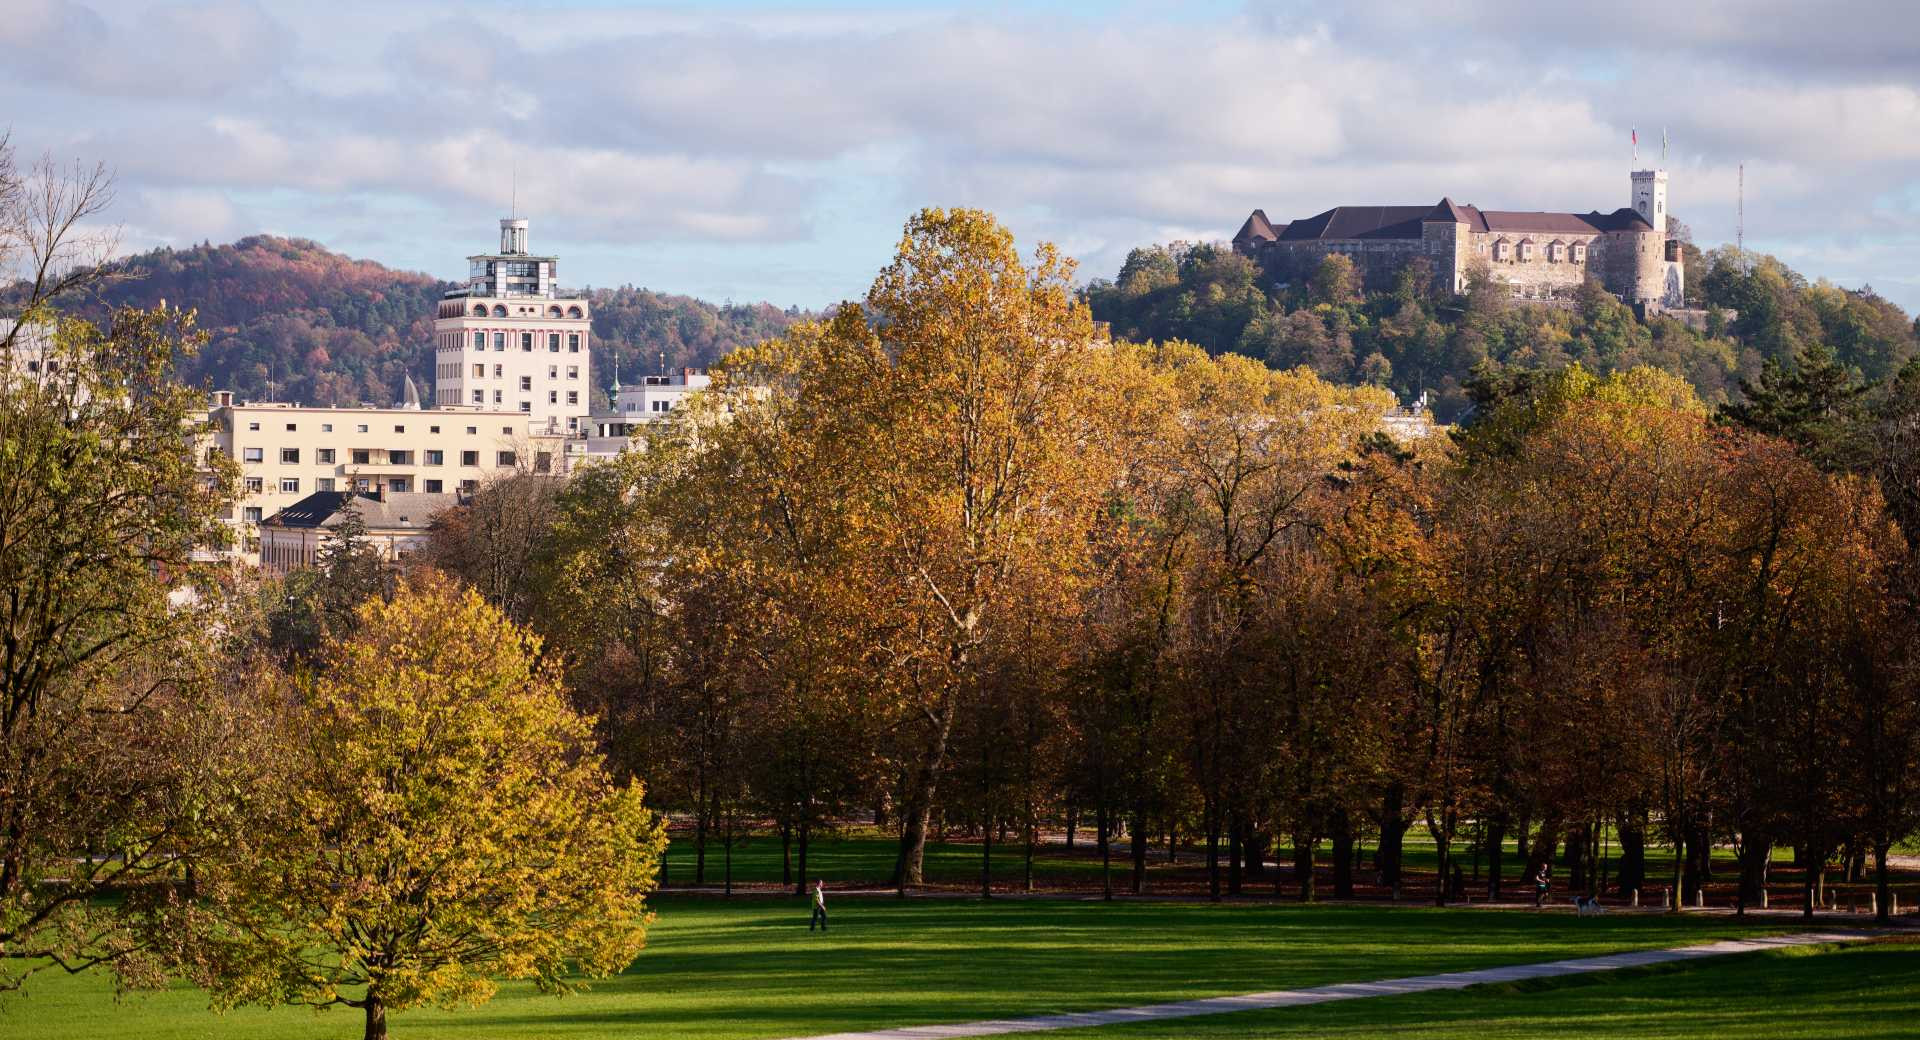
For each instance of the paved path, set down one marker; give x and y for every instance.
(1341, 991)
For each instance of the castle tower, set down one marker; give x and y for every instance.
(1650, 197)
(512, 340)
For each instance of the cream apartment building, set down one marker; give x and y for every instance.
(287, 452)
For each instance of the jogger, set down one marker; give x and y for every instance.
(819, 906)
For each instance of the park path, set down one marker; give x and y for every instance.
(1340, 991)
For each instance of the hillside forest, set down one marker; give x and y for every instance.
(289, 320)
(1411, 339)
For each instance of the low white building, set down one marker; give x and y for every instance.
(636, 406)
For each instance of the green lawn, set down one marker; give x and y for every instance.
(749, 969)
(1860, 992)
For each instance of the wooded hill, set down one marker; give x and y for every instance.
(290, 320)
(1411, 339)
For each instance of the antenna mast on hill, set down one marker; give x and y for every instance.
(1740, 219)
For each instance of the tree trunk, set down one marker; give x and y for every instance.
(1342, 855)
(908, 869)
(1303, 865)
(1233, 858)
(1496, 844)
(700, 834)
(1139, 826)
(806, 828)
(1258, 842)
(1754, 849)
(726, 851)
(1882, 885)
(1073, 822)
(1213, 855)
(1393, 828)
(1633, 856)
(786, 854)
(1105, 820)
(376, 1018)
(986, 861)
(1031, 826)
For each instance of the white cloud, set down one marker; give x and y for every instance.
(657, 128)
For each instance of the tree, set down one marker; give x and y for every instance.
(446, 820)
(105, 709)
(948, 416)
(1336, 282)
(493, 541)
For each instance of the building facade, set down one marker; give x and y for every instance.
(1538, 256)
(512, 340)
(397, 525)
(512, 369)
(287, 452)
(635, 405)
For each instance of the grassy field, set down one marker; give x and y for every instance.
(1869, 992)
(749, 969)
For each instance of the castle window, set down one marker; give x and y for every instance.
(1526, 249)
(1579, 252)
(1554, 251)
(1500, 248)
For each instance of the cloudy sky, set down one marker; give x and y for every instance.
(771, 150)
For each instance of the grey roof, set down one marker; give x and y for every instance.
(391, 510)
(1347, 222)
(1363, 222)
(1258, 228)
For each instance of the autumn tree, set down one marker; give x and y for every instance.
(947, 416)
(445, 820)
(106, 713)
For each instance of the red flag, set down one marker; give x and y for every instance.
(1635, 131)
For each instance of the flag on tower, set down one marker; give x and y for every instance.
(1663, 144)
(1635, 131)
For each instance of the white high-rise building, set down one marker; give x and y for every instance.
(513, 340)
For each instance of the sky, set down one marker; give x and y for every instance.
(772, 150)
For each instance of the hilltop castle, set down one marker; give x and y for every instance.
(1541, 256)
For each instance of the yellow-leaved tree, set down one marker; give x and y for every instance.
(445, 820)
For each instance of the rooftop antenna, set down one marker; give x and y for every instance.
(663, 362)
(513, 201)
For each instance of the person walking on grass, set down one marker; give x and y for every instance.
(819, 906)
(1542, 882)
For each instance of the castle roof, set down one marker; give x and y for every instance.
(1364, 222)
(1257, 228)
(1347, 222)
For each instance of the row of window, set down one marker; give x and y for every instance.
(500, 311)
(527, 341)
(359, 457)
(291, 486)
(1556, 251)
(526, 382)
(327, 427)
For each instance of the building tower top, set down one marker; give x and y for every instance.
(513, 236)
(1650, 197)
